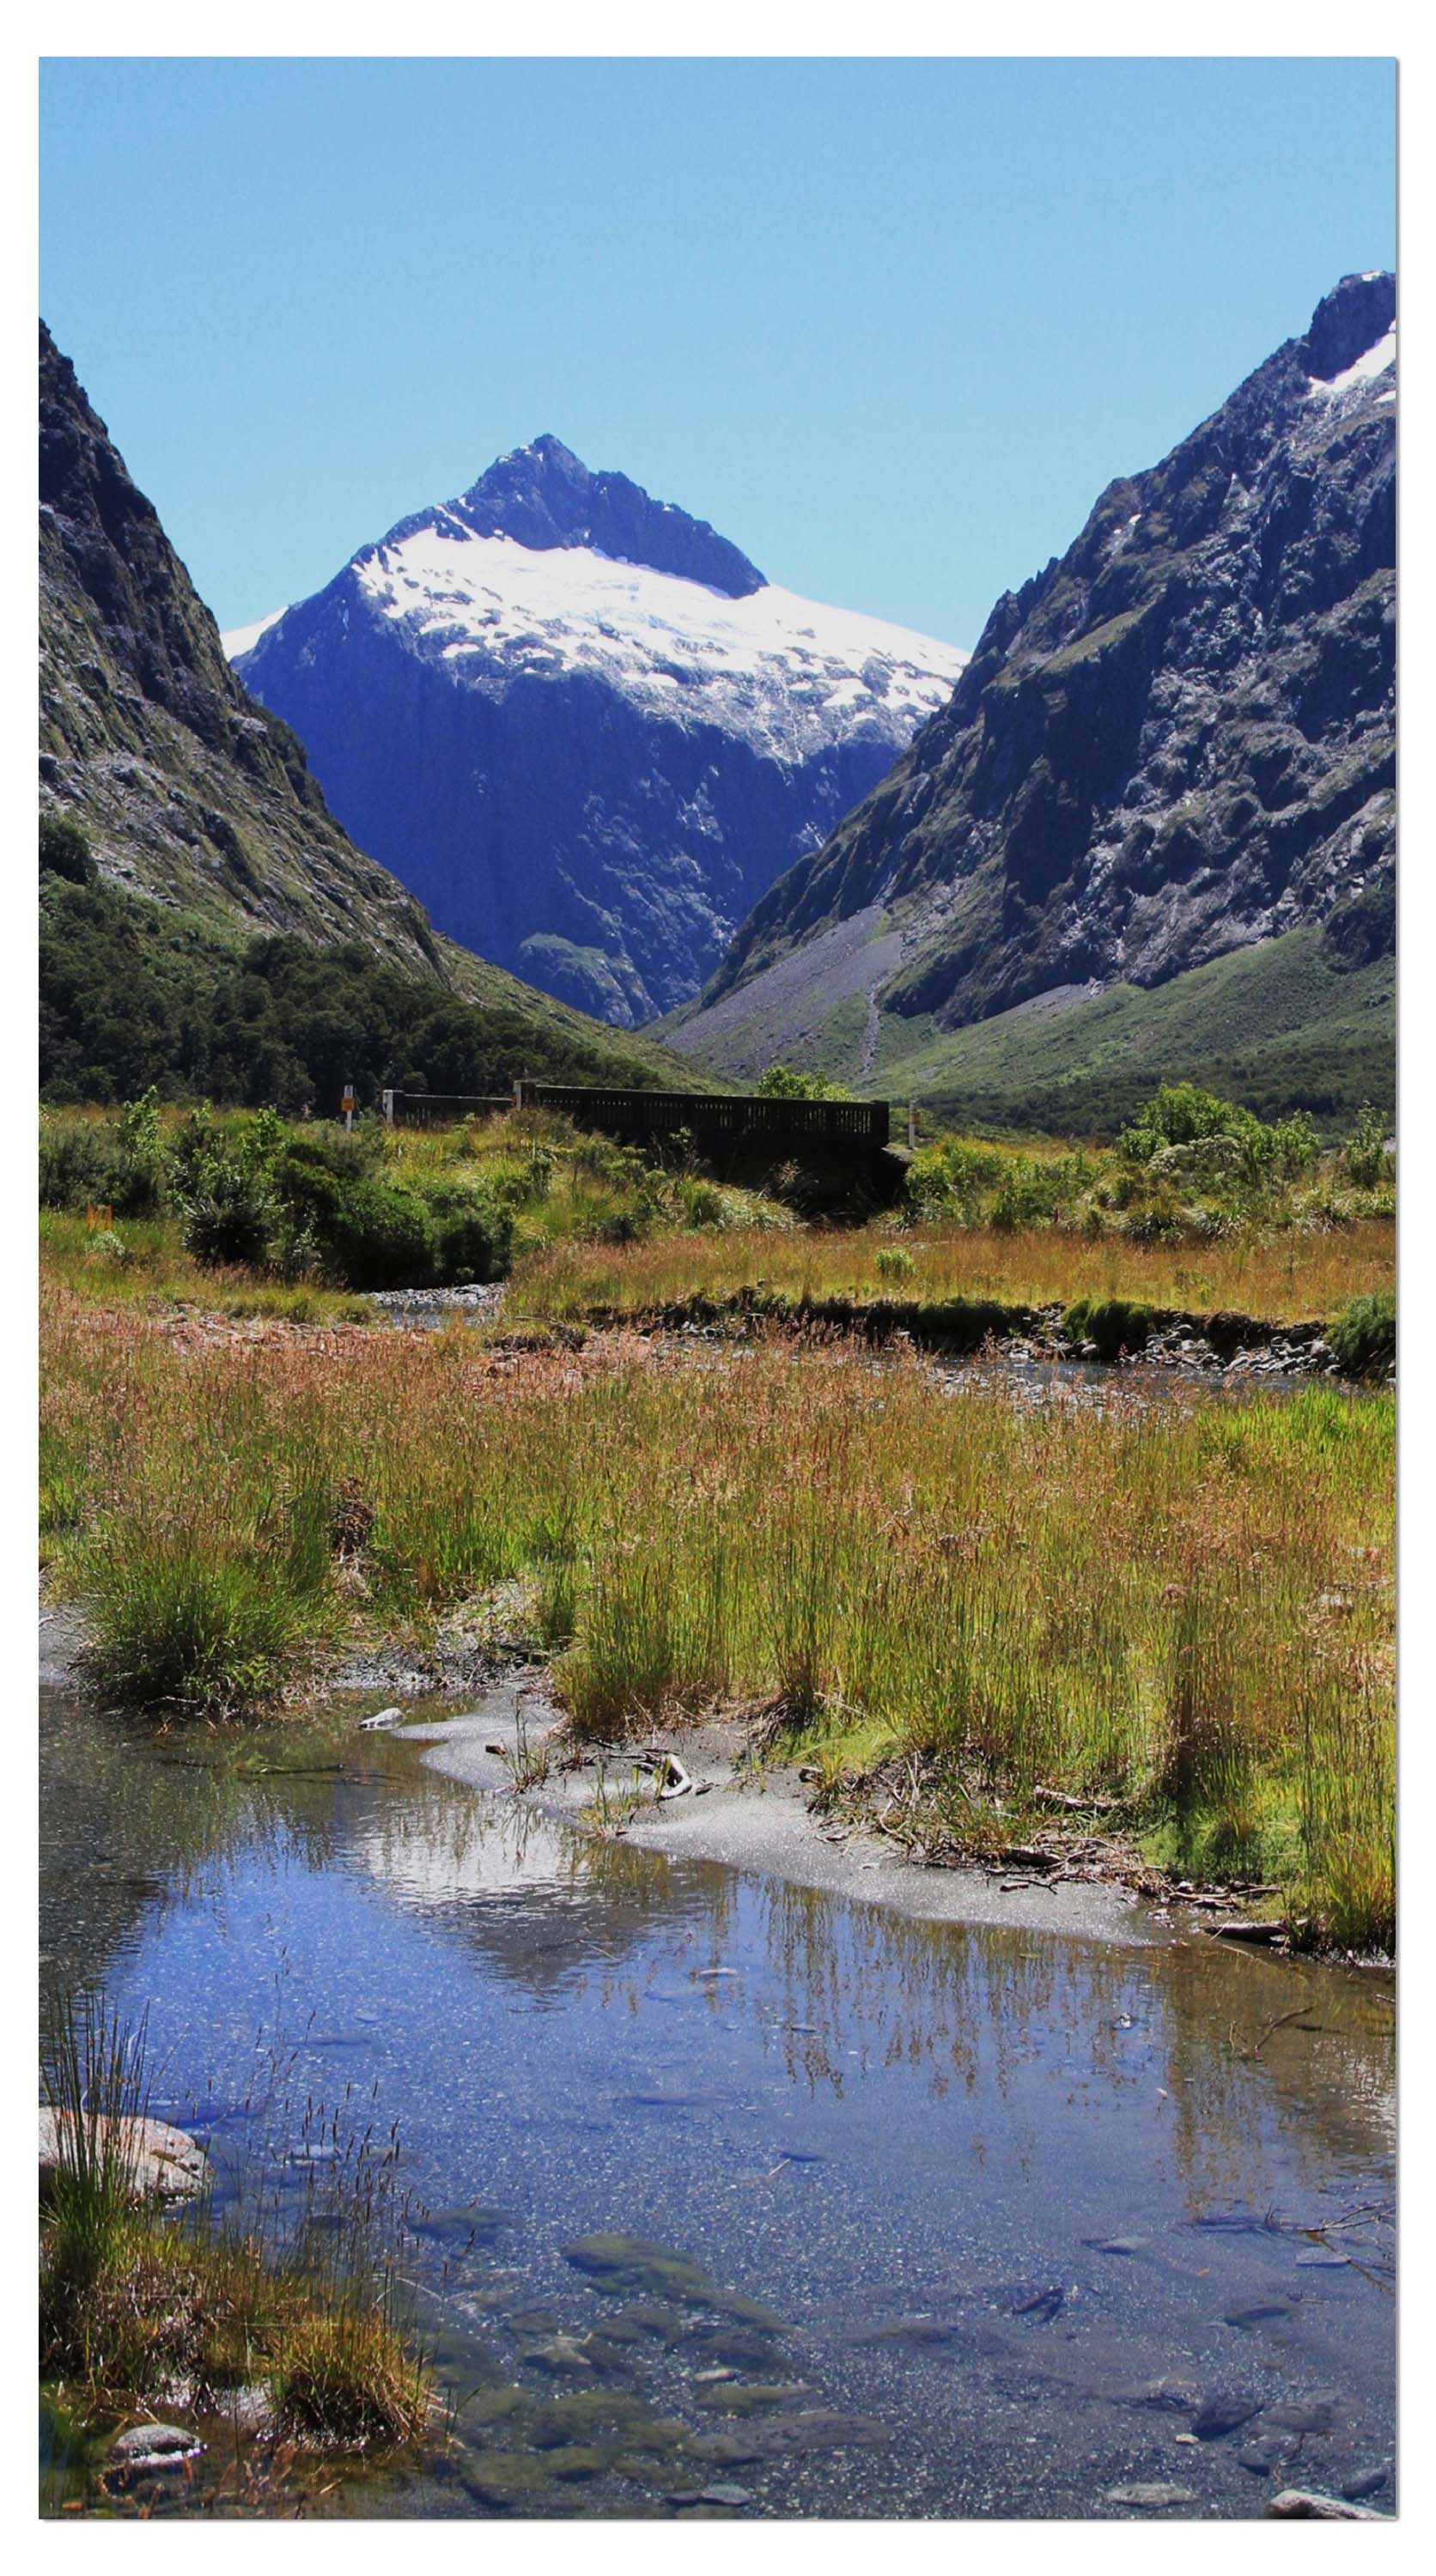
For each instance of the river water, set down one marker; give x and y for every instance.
(730, 2196)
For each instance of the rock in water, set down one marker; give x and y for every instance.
(1219, 2415)
(163, 2163)
(1151, 2495)
(1297, 2504)
(156, 2446)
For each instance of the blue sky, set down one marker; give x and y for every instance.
(891, 326)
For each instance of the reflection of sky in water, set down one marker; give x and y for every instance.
(849, 2115)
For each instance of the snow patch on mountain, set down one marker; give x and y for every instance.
(239, 639)
(1372, 362)
(785, 673)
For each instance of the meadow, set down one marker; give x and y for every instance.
(1184, 1606)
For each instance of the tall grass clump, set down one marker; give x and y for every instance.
(1363, 1335)
(204, 1623)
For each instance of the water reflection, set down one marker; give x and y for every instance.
(965, 2170)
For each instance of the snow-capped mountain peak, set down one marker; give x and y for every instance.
(583, 726)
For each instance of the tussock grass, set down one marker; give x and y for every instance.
(1187, 1605)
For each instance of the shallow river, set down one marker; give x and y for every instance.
(929, 2221)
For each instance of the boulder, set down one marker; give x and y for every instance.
(164, 2163)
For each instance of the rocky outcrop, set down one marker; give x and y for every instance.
(582, 727)
(1175, 741)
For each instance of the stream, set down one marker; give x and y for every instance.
(728, 2196)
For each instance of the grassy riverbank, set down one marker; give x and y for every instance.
(1279, 1278)
(1187, 1608)
(145, 2309)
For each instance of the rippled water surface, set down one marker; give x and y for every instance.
(921, 2220)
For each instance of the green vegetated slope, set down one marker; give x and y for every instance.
(133, 992)
(1277, 1027)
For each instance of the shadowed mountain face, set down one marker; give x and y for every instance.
(582, 727)
(1177, 741)
(187, 789)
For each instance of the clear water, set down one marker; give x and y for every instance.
(910, 2144)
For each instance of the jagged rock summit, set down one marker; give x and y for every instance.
(1176, 741)
(544, 496)
(187, 789)
(582, 727)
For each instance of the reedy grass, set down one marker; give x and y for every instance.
(1139, 1601)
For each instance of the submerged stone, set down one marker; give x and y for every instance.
(1221, 2414)
(1150, 2495)
(742, 2396)
(505, 2477)
(576, 2461)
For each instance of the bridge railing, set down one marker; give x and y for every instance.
(718, 1118)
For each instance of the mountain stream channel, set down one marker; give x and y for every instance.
(728, 2191)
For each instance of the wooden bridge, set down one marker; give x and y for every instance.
(718, 1122)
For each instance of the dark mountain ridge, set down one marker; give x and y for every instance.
(186, 788)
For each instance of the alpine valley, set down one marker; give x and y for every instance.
(1152, 831)
(582, 727)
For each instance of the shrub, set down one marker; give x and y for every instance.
(1181, 1115)
(1363, 1335)
(784, 1082)
(65, 850)
(475, 1241)
(369, 1234)
(230, 1216)
(1114, 1324)
(80, 1166)
(893, 1262)
(1365, 1157)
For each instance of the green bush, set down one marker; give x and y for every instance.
(81, 1167)
(475, 1241)
(1182, 1115)
(784, 1082)
(1363, 1335)
(1365, 1158)
(64, 850)
(1114, 1324)
(368, 1234)
(230, 1216)
(893, 1262)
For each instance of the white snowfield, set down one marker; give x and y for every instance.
(238, 639)
(1372, 362)
(780, 671)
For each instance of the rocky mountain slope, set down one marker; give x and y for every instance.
(186, 789)
(1176, 742)
(582, 727)
(192, 795)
